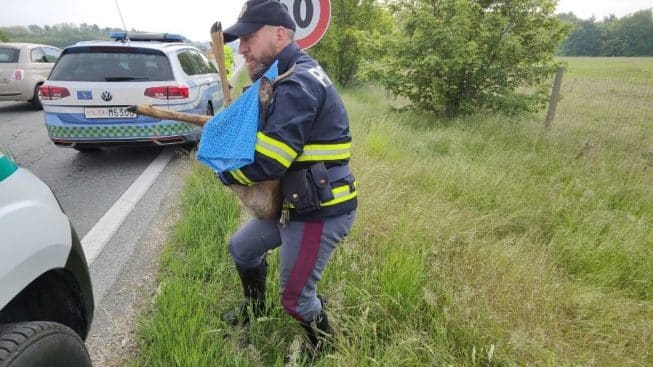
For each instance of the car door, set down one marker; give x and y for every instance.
(202, 79)
(215, 83)
(9, 57)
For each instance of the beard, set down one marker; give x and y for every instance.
(258, 70)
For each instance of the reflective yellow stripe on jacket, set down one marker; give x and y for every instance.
(325, 152)
(283, 154)
(340, 195)
(275, 149)
(239, 176)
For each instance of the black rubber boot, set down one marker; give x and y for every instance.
(253, 281)
(320, 337)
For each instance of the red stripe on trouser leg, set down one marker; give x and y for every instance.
(304, 265)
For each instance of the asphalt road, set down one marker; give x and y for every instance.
(86, 184)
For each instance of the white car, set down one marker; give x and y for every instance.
(85, 99)
(23, 68)
(46, 297)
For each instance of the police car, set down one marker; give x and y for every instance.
(86, 96)
(46, 298)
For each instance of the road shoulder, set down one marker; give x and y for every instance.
(120, 301)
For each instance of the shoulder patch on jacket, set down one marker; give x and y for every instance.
(318, 73)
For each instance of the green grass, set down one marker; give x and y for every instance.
(482, 241)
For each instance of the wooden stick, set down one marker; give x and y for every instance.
(217, 46)
(162, 114)
(199, 120)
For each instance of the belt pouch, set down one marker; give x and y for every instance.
(298, 188)
(321, 180)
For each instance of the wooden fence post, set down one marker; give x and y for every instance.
(553, 102)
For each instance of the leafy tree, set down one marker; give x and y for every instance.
(345, 45)
(630, 36)
(228, 60)
(3, 37)
(456, 56)
(569, 18)
(586, 39)
(35, 29)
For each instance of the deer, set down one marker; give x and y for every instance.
(263, 199)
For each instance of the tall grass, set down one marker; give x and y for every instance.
(480, 241)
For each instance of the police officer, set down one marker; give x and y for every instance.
(305, 142)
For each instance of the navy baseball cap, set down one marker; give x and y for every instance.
(257, 13)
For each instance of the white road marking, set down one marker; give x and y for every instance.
(106, 227)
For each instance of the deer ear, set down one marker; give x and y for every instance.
(265, 93)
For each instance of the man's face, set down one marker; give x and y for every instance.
(259, 49)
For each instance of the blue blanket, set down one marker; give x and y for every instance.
(229, 138)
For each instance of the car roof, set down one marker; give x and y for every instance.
(140, 44)
(23, 44)
(157, 41)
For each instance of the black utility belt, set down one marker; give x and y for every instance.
(305, 190)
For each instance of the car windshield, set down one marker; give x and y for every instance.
(107, 64)
(9, 55)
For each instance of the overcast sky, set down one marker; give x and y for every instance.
(193, 18)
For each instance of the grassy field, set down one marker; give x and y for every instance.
(483, 241)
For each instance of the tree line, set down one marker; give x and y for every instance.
(59, 35)
(631, 35)
(448, 57)
(66, 34)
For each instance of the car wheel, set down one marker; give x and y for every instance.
(41, 344)
(36, 100)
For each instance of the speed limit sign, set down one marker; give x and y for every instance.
(312, 18)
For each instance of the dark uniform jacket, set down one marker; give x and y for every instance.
(306, 123)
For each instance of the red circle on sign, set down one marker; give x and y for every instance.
(320, 29)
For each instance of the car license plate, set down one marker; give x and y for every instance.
(108, 113)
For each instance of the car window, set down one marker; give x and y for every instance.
(9, 55)
(192, 63)
(51, 54)
(37, 55)
(188, 63)
(209, 64)
(103, 64)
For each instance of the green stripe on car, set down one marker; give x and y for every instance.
(7, 167)
(113, 131)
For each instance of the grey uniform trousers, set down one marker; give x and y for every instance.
(305, 251)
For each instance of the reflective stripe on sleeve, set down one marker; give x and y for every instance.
(239, 176)
(325, 152)
(275, 149)
(7, 167)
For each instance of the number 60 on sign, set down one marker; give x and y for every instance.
(312, 18)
